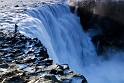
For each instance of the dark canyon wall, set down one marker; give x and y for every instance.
(105, 21)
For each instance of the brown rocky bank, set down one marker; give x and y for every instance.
(25, 60)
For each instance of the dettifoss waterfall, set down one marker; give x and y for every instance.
(61, 33)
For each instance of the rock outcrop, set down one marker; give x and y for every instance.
(25, 60)
(104, 21)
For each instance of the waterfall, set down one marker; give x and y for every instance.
(61, 33)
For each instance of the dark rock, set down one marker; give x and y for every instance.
(38, 43)
(105, 23)
(60, 72)
(60, 69)
(29, 52)
(73, 78)
(30, 59)
(72, 8)
(48, 61)
(2, 50)
(2, 36)
(14, 41)
(43, 53)
(16, 6)
(4, 65)
(53, 71)
(15, 79)
(4, 45)
(57, 72)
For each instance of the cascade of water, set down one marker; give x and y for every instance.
(61, 33)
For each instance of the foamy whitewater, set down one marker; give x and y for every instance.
(61, 33)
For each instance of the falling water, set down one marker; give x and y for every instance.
(61, 33)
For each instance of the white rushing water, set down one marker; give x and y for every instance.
(61, 33)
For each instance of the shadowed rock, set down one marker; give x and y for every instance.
(104, 21)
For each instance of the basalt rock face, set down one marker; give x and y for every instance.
(25, 60)
(105, 22)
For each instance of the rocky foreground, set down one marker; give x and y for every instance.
(25, 60)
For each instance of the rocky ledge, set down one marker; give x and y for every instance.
(25, 60)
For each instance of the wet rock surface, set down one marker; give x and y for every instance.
(25, 60)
